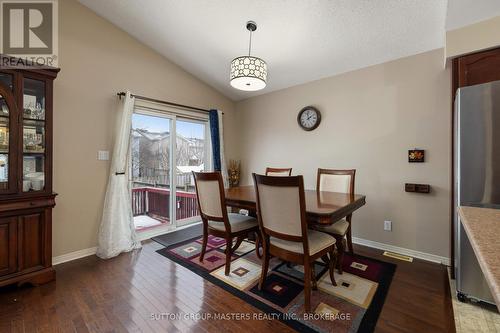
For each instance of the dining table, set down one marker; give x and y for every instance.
(321, 207)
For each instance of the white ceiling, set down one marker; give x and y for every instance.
(301, 40)
(465, 12)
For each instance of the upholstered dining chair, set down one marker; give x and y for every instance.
(283, 226)
(279, 172)
(338, 181)
(216, 220)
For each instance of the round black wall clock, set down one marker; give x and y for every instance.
(309, 118)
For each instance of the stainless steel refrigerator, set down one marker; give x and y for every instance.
(477, 175)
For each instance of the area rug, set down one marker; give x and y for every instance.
(352, 306)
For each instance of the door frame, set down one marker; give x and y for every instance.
(173, 114)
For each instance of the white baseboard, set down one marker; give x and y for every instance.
(402, 250)
(92, 250)
(381, 246)
(74, 255)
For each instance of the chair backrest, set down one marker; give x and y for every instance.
(279, 172)
(281, 207)
(336, 180)
(210, 195)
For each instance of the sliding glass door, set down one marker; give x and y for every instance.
(165, 149)
(192, 154)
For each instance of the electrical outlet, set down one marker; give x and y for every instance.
(103, 155)
(388, 225)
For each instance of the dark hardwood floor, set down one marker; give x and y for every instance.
(118, 295)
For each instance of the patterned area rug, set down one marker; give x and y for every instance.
(352, 306)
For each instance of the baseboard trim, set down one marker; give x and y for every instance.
(381, 246)
(412, 253)
(92, 250)
(74, 255)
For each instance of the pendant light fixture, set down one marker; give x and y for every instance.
(248, 73)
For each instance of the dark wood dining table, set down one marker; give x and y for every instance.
(321, 207)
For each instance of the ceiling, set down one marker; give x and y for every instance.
(300, 40)
(464, 12)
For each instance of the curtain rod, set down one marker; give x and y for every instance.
(120, 94)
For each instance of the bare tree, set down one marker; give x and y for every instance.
(151, 154)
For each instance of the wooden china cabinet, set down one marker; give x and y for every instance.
(26, 197)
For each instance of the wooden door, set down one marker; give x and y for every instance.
(478, 68)
(8, 245)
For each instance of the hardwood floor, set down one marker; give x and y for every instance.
(122, 294)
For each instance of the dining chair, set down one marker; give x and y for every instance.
(284, 233)
(279, 172)
(337, 181)
(216, 220)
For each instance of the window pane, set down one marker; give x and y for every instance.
(6, 80)
(150, 171)
(33, 172)
(4, 171)
(4, 136)
(33, 135)
(191, 156)
(34, 99)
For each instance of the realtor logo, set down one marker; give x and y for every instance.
(29, 31)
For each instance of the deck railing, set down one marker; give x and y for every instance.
(155, 202)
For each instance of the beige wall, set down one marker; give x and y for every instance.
(370, 118)
(473, 38)
(97, 60)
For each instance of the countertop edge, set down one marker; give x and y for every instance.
(488, 274)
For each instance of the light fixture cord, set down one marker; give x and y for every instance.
(250, 44)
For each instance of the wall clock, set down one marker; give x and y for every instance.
(309, 118)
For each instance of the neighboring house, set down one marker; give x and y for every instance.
(150, 155)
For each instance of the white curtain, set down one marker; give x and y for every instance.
(117, 231)
(223, 165)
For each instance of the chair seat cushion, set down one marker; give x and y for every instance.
(338, 228)
(317, 242)
(238, 223)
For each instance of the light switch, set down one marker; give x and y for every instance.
(388, 225)
(103, 155)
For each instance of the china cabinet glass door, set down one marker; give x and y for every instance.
(33, 115)
(6, 116)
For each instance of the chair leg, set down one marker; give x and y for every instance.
(333, 256)
(341, 245)
(349, 239)
(307, 286)
(313, 278)
(229, 242)
(265, 267)
(258, 243)
(239, 240)
(205, 241)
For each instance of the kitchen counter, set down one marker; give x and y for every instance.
(482, 226)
